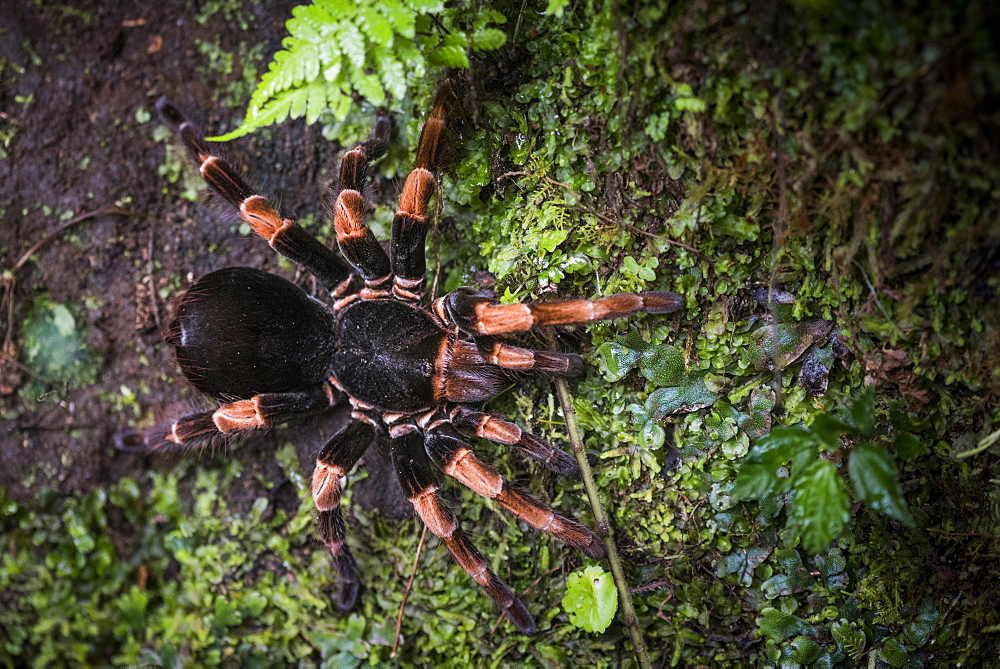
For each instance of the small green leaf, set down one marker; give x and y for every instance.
(919, 631)
(133, 607)
(634, 341)
(615, 360)
(860, 413)
(828, 430)
(555, 7)
(690, 397)
(488, 39)
(591, 599)
(894, 653)
(778, 626)
(742, 563)
(226, 615)
(820, 507)
(652, 435)
(909, 447)
(804, 650)
(253, 604)
(758, 481)
(740, 227)
(784, 444)
(876, 481)
(54, 347)
(663, 365)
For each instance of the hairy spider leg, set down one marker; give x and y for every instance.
(282, 234)
(527, 360)
(472, 423)
(417, 476)
(477, 314)
(356, 240)
(337, 458)
(457, 459)
(409, 226)
(260, 412)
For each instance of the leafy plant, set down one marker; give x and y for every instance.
(338, 51)
(55, 349)
(591, 599)
(802, 461)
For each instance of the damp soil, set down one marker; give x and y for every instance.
(78, 88)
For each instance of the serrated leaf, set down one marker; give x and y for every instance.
(427, 6)
(821, 506)
(352, 43)
(876, 481)
(369, 87)
(133, 606)
(758, 481)
(375, 25)
(591, 599)
(400, 16)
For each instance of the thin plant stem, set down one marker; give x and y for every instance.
(406, 593)
(600, 518)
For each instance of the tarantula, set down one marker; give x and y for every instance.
(267, 351)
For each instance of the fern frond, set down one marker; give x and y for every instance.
(340, 50)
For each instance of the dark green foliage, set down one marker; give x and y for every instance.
(785, 460)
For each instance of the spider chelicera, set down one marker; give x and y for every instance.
(267, 352)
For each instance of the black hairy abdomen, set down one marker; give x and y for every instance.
(240, 332)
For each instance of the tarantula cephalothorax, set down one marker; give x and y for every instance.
(267, 351)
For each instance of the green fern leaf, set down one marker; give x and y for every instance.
(340, 50)
(369, 86)
(309, 100)
(394, 74)
(401, 17)
(375, 25)
(427, 6)
(352, 43)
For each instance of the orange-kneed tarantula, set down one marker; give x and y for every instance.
(267, 351)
